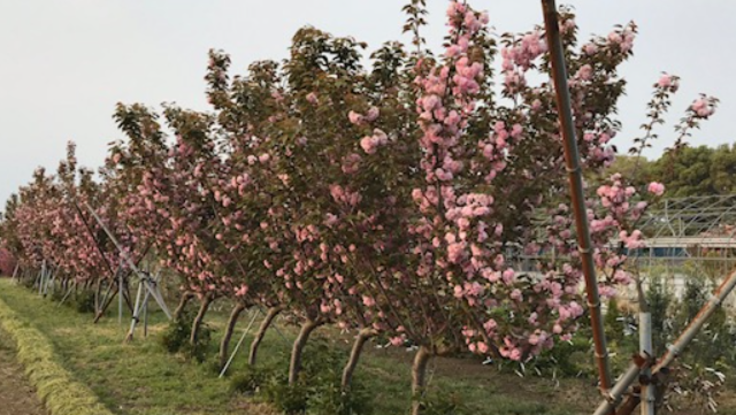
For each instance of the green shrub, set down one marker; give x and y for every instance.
(443, 404)
(249, 380)
(84, 301)
(291, 399)
(318, 390)
(659, 300)
(175, 338)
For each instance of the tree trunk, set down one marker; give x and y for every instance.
(296, 351)
(105, 306)
(225, 344)
(265, 324)
(183, 301)
(360, 340)
(206, 301)
(419, 378)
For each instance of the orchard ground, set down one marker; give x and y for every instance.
(17, 396)
(142, 378)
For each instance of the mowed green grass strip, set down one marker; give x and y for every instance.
(141, 378)
(57, 388)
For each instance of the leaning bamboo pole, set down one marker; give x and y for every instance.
(572, 160)
(676, 349)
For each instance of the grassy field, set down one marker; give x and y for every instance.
(141, 378)
(17, 396)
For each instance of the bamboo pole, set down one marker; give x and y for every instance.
(572, 159)
(675, 349)
(613, 397)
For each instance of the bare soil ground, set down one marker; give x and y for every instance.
(17, 397)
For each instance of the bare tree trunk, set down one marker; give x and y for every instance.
(360, 340)
(296, 351)
(183, 301)
(265, 324)
(225, 343)
(206, 301)
(419, 378)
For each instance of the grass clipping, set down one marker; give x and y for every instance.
(61, 394)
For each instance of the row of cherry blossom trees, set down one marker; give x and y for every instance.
(390, 201)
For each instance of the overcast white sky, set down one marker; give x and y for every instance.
(64, 64)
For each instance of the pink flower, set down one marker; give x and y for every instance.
(665, 81)
(240, 292)
(615, 38)
(355, 118)
(656, 188)
(702, 108)
(590, 49)
(312, 98)
(396, 341)
(330, 220)
(372, 114)
(516, 130)
(368, 144)
(368, 301)
(585, 73)
(508, 275)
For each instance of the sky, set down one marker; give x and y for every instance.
(65, 64)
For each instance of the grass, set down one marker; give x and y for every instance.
(141, 378)
(62, 394)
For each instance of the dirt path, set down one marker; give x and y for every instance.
(17, 397)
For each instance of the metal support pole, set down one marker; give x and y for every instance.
(572, 159)
(237, 346)
(145, 316)
(43, 277)
(645, 347)
(120, 292)
(143, 277)
(68, 293)
(134, 320)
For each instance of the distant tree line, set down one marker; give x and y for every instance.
(687, 171)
